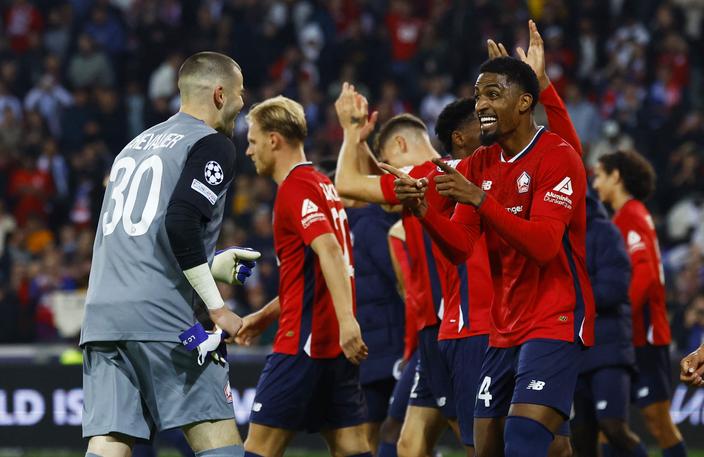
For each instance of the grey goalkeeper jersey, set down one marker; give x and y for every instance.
(136, 289)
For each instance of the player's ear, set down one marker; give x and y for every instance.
(457, 138)
(274, 140)
(525, 101)
(219, 97)
(401, 143)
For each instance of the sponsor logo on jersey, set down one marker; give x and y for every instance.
(204, 191)
(558, 199)
(486, 185)
(523, 183)
(213, 173)
(565, 186)
(147, 141)
(515, 209)
(535, 385)
(634, 241)
(308, 207)
(228, 392)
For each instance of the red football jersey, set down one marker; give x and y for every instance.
(465, 290)
(410, 337)
(544, 182)
(647, 291)
(307, 206)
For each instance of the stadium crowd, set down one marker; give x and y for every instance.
(79, 78)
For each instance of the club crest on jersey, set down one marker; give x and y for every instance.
(213, 173)
(565, 186)
(523, 183)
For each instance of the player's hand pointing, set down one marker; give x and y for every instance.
(454, 185)
(692, 368)
(351, 341)
(409, 191)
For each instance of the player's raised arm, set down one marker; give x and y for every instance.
(558, 118)
(337, 277)
(351, 180)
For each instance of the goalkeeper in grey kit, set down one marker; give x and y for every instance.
(154, 251)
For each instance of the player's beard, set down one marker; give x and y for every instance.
(488, 138)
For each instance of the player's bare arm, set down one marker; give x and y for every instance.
(254, 324)
(337, 277)
(350, 179)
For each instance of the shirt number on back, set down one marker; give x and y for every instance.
(122, 211)
(484, 391)
(338, 219)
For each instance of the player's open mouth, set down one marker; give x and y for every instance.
(487, 122)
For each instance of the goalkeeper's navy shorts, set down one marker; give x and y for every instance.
(296, 392)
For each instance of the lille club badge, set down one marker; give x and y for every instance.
(523, 183)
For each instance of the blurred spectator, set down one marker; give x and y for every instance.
(694, 324)
(162, 82)
(49, 98)
(22, 19)
(89, 67)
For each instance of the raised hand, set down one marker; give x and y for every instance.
(352, 111)
(452, 184)
(409, 191)
(535, 57)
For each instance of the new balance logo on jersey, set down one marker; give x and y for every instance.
(523, 183)
(535, 385)
(486, 185)
(565, 186)
(308, 207)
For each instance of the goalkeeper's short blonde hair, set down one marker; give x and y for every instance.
(282, 115)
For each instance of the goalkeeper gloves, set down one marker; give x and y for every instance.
(234, 265)
(207, 343)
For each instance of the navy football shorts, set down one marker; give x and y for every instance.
(540, 371)
(296, 392)
(652, 383)
(464, 356)
(402, 389)
(378, 394)
(603, 393)
(432, 387)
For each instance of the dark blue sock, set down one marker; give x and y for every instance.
(251, 454)
(524, 437)
(606, 450)
(678, 450)
(363, 454)
(387, 450)
(639, 451)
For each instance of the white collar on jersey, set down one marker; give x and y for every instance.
(527, 148)
(299, 164)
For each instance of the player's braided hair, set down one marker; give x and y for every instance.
(637, 174)
(452, 117)
(395, 124)
(516, 71)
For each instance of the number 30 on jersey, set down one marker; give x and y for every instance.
(131, 178)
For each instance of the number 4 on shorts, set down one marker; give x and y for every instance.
(484, 391)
